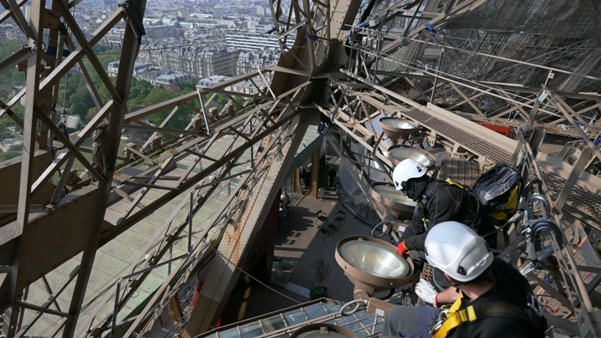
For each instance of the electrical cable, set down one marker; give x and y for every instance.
(255, 279)
(59, 169)
(64, 102)
(375, 227)
(207, 262)
(514, 218)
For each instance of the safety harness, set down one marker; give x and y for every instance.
(437, 186)
(531, 315)
(430, 192)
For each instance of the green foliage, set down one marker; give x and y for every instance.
(188, 87)
(157, 95)
(78, 107)
(322, 273)
(5, 156)
(9, 47)
(139, 89)
(105, 55)
(19, 110)
(322, 270)
(317, 291)
(18, 77)
(74, 95)
(81, 101)
(12, 77)
(91, 113)
(141, 94)
(179, 120)
(221, 99)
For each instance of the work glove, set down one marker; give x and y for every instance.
(402, 248)
(426, 292)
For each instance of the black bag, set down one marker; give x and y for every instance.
(498, 189)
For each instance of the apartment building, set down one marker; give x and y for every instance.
(251, 61)
(252, 41)
(200, 62)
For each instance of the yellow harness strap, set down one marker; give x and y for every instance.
(448, 180)
(455, 317)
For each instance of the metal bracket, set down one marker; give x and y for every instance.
(534, 305)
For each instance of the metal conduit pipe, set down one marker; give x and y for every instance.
(357, 302)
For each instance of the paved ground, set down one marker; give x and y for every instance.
(322, 246)
(16, 139)
(300, 244)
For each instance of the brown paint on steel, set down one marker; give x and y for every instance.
(365, 283)
(390, 208)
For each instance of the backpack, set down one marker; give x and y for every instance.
(498, 190)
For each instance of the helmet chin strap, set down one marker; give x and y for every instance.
(452, 281)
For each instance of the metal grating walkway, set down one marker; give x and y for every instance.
(468, 141)
(580, 197)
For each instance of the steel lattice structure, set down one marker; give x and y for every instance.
(490, 60)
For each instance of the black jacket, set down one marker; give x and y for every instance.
(512, 288)
(443, 202)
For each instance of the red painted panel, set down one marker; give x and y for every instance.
(499, 129)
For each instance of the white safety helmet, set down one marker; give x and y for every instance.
(458, 251)
(407, 170)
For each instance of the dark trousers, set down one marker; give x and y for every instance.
(409, 322)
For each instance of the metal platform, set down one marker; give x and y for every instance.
(467, 140)
(459, 170)
(581, 198)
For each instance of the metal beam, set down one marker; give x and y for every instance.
(131, 46)
(34, 68)
(218, 286)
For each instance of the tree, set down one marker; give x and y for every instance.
(139, 89)
(83, 92)
(91, 113)
(157, 95)
(188, 86)
(322, 273)
(135, 104)
(103, 92)
(18, 77)
(19, 110)
(221, 99)
(78, 107)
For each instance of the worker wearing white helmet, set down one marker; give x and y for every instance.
(437, 201)
(490, 298)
